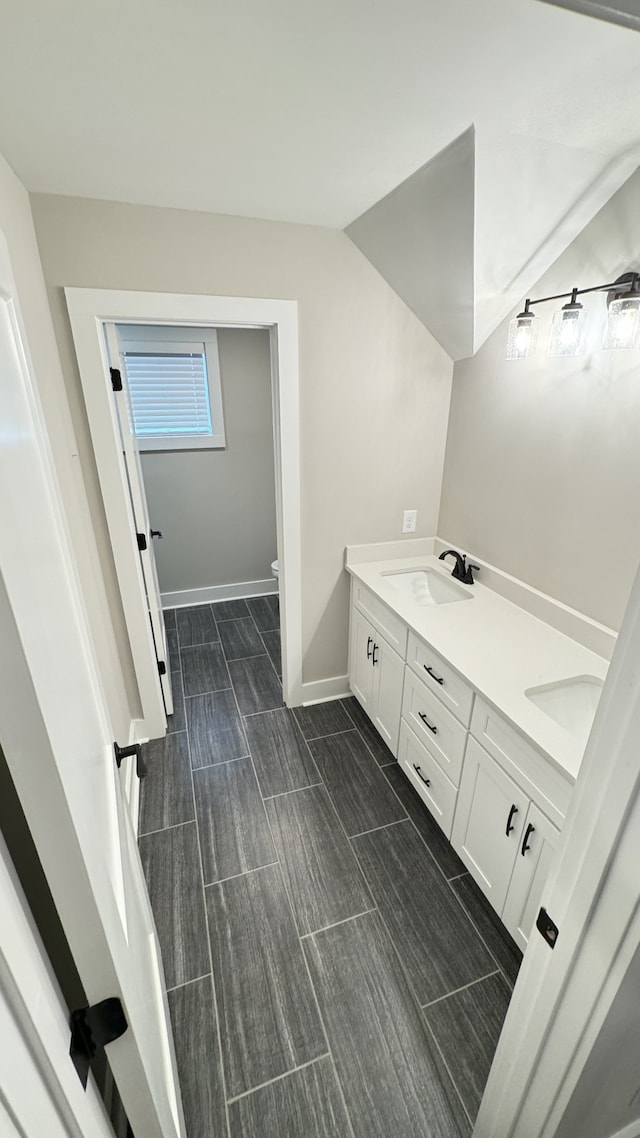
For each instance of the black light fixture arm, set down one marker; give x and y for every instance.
(626, 285)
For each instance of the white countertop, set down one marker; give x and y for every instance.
(498, 648)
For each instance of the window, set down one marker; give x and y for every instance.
(174, 381)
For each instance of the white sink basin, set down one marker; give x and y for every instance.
(427, 587)
(571, 703)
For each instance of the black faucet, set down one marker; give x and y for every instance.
(462, 568)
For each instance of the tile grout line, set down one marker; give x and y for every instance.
(222, 763)
(295, 790)
(374, 829)
(446, 1066)
(216, 1001)
(475, 926)
(186, 983)
(245, 873)
(463, 988)
(354, 917)
(278, 1078)
(163, 829)
(362, 735)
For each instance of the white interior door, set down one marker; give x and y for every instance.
(39, 1090)
(58, 743)
(140, 512)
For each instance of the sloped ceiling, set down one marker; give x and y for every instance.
(420, 238)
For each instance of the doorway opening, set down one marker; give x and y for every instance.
(201, 409)
(95, 317)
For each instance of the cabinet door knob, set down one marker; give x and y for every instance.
(374, 660)
(426, 722)
(418, 770)
(438, 679)
(527, 834)
(369, 643)
(512, 813)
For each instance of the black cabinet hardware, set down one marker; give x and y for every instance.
(512, 813)
(374, 660)
(426, 722)
(156, 533)
(527, 834)
(369, 643)
(438, 679)
(93, 1028)
(418, 770)
(126, 752)
(547, 928)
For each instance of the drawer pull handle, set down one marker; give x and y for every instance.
(513, 811)
(438, 679)
(528, 832)
(369, 643)
(426, 722)
(418, 770)
(376, 648)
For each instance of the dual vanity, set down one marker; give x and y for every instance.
(486, 707)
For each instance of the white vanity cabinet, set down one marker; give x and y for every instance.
(376, 674)
(498, 799)
(503, 838)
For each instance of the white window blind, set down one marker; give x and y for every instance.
(174, 386)
(169, 393)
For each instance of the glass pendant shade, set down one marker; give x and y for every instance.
(523, 333)
(568, 331)
(623, 325)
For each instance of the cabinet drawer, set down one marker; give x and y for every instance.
(427, 777)
(386, 622)
(440, 678)
(441, 732)
(542, 782)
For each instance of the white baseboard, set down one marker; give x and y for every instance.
(336, 687)
(239, 589)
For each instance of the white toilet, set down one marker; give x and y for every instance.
(275, 571)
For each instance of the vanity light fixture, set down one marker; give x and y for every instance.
(569, 327)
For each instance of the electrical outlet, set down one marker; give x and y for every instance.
(409, 521)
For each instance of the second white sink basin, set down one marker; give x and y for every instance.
(427, 587)
(571, 703)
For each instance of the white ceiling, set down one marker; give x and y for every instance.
(313, 111)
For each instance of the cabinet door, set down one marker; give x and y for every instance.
(361, 675)
(388, 677)
(488, 823)
(535, 853)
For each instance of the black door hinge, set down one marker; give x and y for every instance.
(142, 541)
(91, 1029)
(125, 753)
(116, 378)
(547, 928)
(162, 668)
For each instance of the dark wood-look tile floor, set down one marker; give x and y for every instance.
(335, 971)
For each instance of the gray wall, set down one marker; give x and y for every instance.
(375, 385)
(542, 470)
(216, 508)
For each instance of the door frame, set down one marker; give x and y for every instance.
(89, 310)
